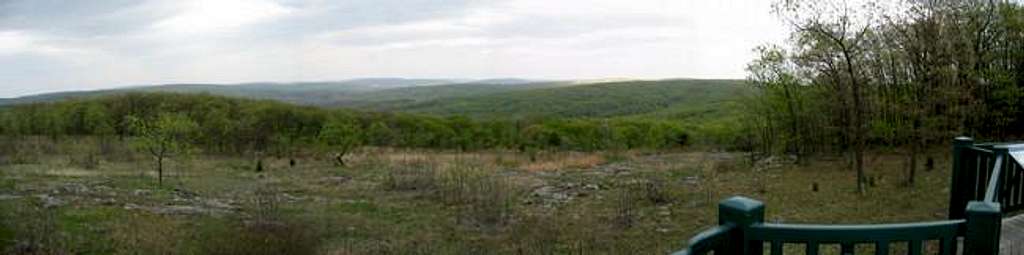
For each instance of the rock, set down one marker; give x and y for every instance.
(592, 187)
(773, 162)
(184, 194)
(220, 205)
(50, 201)
(175, 209)
(290, 198)
(73, 188)
(8, 197)
(131, 206)
(551, 195)
(335, 180)
(106, 201)
(182, 210)
(691, 180)
(142, 192)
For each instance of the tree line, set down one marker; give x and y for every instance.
(228, 125)
(909, 74)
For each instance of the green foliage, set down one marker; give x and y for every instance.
(340, 135)
(593, 100)
(918, 76)
(169, 135)
(167, 124)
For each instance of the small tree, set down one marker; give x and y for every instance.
(342, 136)
(165, 137)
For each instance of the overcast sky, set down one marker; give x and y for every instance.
(58, 45)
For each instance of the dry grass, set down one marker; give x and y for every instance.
(565, 161)
(391, 201)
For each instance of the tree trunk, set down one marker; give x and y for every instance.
(797, 142)
(858, 122)
(160, 170)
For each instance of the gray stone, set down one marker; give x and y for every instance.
(50, 201)
(142, 192)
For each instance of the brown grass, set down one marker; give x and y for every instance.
(565, 161)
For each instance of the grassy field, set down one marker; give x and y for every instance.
(57, 199)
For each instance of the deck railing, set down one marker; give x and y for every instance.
(976, 224)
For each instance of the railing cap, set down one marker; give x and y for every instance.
(741, 203)
(982, 207)
(963, 140)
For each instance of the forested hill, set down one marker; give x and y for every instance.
(305, 93)
(501, 98)
(594, 100)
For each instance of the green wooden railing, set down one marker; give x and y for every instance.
(975, 215)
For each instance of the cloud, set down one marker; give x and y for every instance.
(198, 16)
(76, 45)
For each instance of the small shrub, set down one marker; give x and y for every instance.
(87, 160)
(229, 236)
(481, 197)
(656, 191)
(410, 177)
(33, 230)
(625, 207)
(266, 231)
(536, 235)
(147, 234)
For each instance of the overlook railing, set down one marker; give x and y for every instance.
(977, 222)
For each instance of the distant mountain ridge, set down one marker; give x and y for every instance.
(290, 91)
(490, 98)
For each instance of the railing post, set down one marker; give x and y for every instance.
(957, 200)
(741, 212)
(984, 223)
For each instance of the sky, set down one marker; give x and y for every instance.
(58, 45)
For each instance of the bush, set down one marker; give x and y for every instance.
(236, 236)
(266, 231)
(481, 197)
(411, 177)
(32, 230)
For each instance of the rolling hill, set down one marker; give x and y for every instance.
(663, 98)
(688, 99)
(306, 93)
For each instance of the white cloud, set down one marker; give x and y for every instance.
(18, 42)
(201, 16)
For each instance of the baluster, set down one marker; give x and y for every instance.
(812, 248)
(947, 245)
(983, 173)
(1019, 183)
(975, 172)
(882, 248)
(915, 247)
(846, 248)
(777, 247)
(1002, 188)
(1010, 184)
